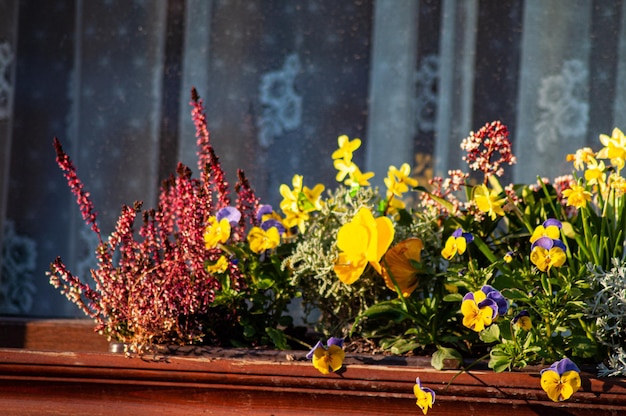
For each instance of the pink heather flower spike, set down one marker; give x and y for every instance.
(161, 273)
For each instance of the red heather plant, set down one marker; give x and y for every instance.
(152, 286)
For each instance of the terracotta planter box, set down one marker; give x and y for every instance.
(223, 382)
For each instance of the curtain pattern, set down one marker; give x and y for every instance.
(280, 80)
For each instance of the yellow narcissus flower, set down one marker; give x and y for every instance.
(399, 262)
(488, 201)
(577, 196)
(581, 157)
(595, 172)
(614, 148)
(261, 240)
(216, 232)
(346, 148)
(362, 241)
(561, 380)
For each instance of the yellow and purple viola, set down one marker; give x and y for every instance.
(327, 358)
(481, 308)
(425, 396)
(547, 249)
(561, 380)
(456, 243)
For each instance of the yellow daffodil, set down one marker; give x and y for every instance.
(346, 148)
(362, 241)
(581, 157)
(456, 243)
(425, 396)
(618, 184)
(488, 201)
(577, 196)
(595, 172)
(261, 240)
(216, 232)
(220, 266)
(614, 148)
(561, 380)
(400, 262)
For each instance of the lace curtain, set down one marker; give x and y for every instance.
(280, 80)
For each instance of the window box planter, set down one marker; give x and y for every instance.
(222, 382)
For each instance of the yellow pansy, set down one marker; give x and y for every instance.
(399, 262)
(561, 380)
(220, 266)
(425, 396)
(261, 240)
(362, 241)
(216, 232)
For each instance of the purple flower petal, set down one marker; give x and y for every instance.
(468, 296)
(468, 237)
(492, 304)
(562, 366)
(263, 210)
(457, 233)
(335, 341)
(310, 353)
(492, 293)
(266, 225)
(545, 242)
(520, 315)
(559, 244)
(552, 222)
(231, 213)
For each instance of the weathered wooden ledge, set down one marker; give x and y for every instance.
(233, 382)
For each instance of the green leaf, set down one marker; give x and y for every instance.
(264, 284)
(446, 357)
(278, 338)
(453, 297)
(392, 310)
(490, 334)
(514, 294)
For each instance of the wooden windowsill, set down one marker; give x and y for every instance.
(69, 371)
